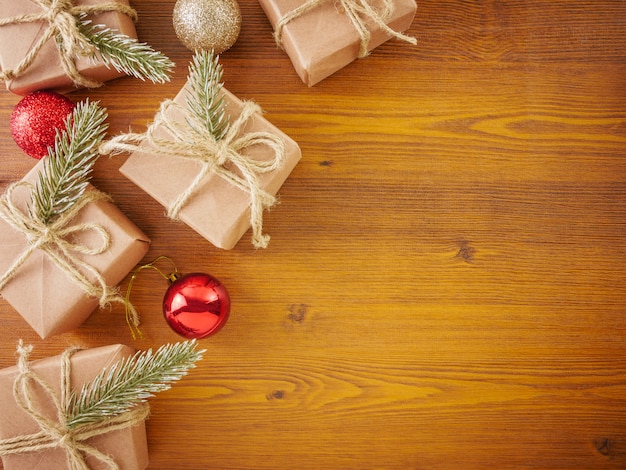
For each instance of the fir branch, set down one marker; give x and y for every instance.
(126, 54)
(130, 381)
(206, 101)
(67, 168)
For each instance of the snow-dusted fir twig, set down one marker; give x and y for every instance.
(206, 101)
(130, 381)
(126, 54)
(67, 169)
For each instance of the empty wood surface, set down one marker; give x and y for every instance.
(444, 287)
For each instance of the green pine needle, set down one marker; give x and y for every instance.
(130, 382)
(67, 168)
(206, 101)
(126, 54)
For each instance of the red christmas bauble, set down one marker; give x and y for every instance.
(196, 305)
(35, 120)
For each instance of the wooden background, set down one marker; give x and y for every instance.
(444, 287)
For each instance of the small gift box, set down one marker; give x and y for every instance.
(44, 288)
(218, 188)
(45, 48)
(323, 36)
(34, 433)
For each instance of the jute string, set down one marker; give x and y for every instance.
(63, 18)
(356, 10)
(55, 433)
(53, 241)
(190, 139)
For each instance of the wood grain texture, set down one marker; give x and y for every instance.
(444, 287)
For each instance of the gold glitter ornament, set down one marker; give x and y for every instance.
(204, 25)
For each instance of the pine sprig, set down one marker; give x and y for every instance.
(206, 101)
(126, 54)
(130, 381)
(67, 168)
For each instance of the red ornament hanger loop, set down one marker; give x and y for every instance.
(128, 304)
(195, 305)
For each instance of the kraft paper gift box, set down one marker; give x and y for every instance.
(323, 40)
(219, 211)
(46, 72)
(128, 447)
(46, 297)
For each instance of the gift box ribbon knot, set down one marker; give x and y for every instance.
(64, 26)
(356, 10)
(53, 240)
(190, 138)
(57, 433)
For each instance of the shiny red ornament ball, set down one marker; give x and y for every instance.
(35, 120)
(196, 305)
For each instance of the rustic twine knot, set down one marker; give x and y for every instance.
(357, 11)
(223, 153)
(53, 241)
(40, 237)
(64, 20)
(59, 6)
(65, 23)
(66, 439)
(190, 139)
(57, 434)
(59, 12)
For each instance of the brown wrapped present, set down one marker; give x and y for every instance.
(100, 243)
(38, 429)
(211, 194)
(323, 36)
(18, 39)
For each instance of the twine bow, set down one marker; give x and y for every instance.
(56, 433)
(64, 20)
(53, 241)
(190, 139)
(356, 10)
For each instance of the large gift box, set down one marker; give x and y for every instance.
(323, 39)
(218, 210)
(126, 446)
(46, 72)
(45, 296)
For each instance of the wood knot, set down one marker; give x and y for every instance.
(466, 251)
(275, 395)
(298, 312)
(604, 446)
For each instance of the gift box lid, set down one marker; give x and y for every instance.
(218, 211)
(128, 446)
(323, 40)
(48, 299)
(46, 71)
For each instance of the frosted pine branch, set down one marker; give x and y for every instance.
(130, 382)
(67, 168)
(205, 100)
(126, 54)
